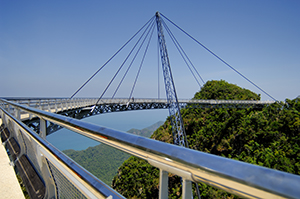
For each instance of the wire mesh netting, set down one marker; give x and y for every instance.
(65, 189)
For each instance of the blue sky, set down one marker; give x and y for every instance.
(49, 48)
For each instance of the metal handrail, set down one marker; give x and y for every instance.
(237, 177)
(93, 187)
(140, 100)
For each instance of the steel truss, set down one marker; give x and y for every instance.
(174, 109)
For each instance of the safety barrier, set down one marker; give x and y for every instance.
(66, 177)
(45, 171)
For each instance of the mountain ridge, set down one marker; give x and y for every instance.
(146, 132)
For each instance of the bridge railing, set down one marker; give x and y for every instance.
(237, 177)
(53, 105)
(63, 104)
(52, 174)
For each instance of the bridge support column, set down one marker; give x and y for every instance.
(186, 189)
(163, 184)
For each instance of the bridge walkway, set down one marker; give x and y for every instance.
(9, 185)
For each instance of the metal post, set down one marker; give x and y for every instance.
(17, 113)
(186, 189)
(163, 184)
(49, 107)
(40, 105)
(55, 105)
(43, 128)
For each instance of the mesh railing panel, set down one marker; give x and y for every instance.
(31, 152)
(65, 189)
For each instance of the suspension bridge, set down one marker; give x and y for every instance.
(48, 173)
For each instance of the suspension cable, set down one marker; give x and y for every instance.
(132, 60)
(121, 66)
(177, 45)
(111, 58)
(136, 78)
(184, 52)
(215, 55)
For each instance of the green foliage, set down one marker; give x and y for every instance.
(224, 90)
(23, 188)
(144, 176)
(268, 137)
(102, 161)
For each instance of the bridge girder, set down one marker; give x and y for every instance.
(83, 112)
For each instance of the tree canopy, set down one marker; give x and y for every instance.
(267, 137)
(103, 161)
(222, 90)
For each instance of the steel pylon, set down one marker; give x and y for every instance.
(174, 109)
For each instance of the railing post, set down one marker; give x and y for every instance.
(163, 184)
(43, 128)
(62, 102)
(61, 105)
(40, 105)
(67, 104)
(29, 114)
(17, 113)
(6, 107)
(47, 174)
(55, 105)
(49, 107)
(186, 189)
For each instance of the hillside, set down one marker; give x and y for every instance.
(103, 161)
(146, 132)
(268, 137)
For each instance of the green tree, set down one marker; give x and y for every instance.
(268, 137)
(223, 90)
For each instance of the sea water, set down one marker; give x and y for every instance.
(123, 121)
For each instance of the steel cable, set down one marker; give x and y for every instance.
(111, 58)
(121, 65)
(220, 58)
(132, 62)
(180, 50)
(141, 62)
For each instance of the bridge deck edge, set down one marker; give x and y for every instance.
(9, 185)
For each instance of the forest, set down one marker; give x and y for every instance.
(268, 137)
(103, 161)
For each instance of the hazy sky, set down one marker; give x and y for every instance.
(49, 48)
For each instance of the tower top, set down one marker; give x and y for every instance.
(157, 14)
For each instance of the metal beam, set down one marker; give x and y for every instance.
(174, 109)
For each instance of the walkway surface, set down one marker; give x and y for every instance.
(9, 185)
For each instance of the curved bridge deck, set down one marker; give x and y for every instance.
(85, 107)
(59, 105)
